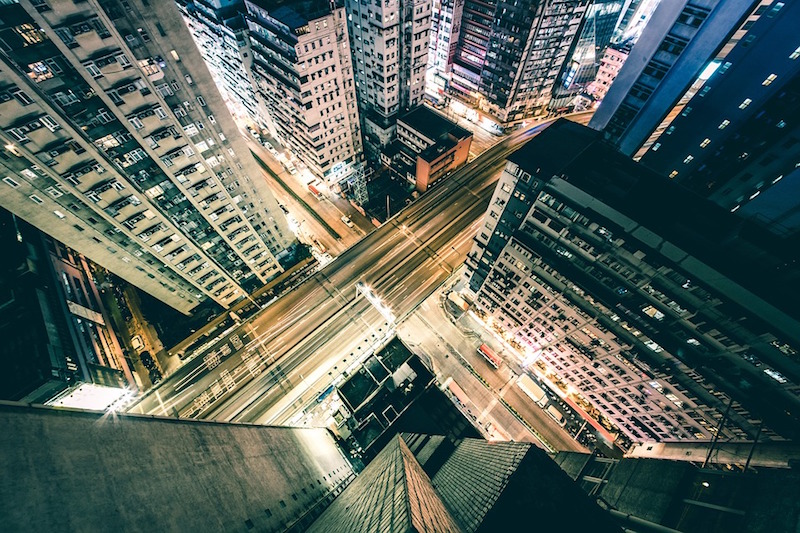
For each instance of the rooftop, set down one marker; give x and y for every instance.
(432, 124)
(77, 470)
(294, 13)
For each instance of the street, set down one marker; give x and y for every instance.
(293, 349)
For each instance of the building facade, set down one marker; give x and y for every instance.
(613, 59)
(56, 332)
(737, 137)
(389, 41)
(445, 29)
(220, 33)
(116, 142)
(678, 44)
(595, 35)
(510, 55)
(303, 72)
(664, 327)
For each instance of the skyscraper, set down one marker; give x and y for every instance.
(677, 45)
(595, 35)
(737, 137)
(510, 54)
(389, 41)
(303, 71)
(116, 142)
(220, 33)
(664, 316)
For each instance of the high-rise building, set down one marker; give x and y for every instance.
(675, 49)
(303, 72)
(116, 142)
(220, 33)
(445, 29)
(425, 483)
(655, 308)
(598, 28)
(91, 471)
(737, 137)
(611, 63)
(56, 331)
(510, 54)
(389, 41)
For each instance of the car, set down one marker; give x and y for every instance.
(347, 221)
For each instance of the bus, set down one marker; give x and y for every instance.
(534, 391)
(490, 356)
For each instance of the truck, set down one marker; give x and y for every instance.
(556, 415)
(532, 389)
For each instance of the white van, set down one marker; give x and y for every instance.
(556, 415)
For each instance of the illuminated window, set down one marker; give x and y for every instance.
(769, 80)
(746, 103)
(705, 142)
(688, 159)
(39, 71)
(29, 34)
(656, 146)
(673, 173)
(724, 124)
(795, 54)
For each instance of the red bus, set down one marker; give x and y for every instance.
(489, 355)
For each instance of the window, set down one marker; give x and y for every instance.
(769, 80)
(59, 214)
(93, 70)
(164, 90)
(136, 123)
(36, 199)
(160, 113)
(52, 191)
(705, 142)
(23, 98)
(688, 159)
(211, 119)
(723, 124)
(745, 103)
(673, 173)
(795, 54)
(201, 101)
(49, 123)
(656, 146)
(175, 55)
(11, 182)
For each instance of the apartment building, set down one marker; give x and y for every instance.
(662, 323)
(303, 72)
(611, 63)
(117, 143)
(445, 29)
(511, 54)
(220, 33)
(389, 41)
